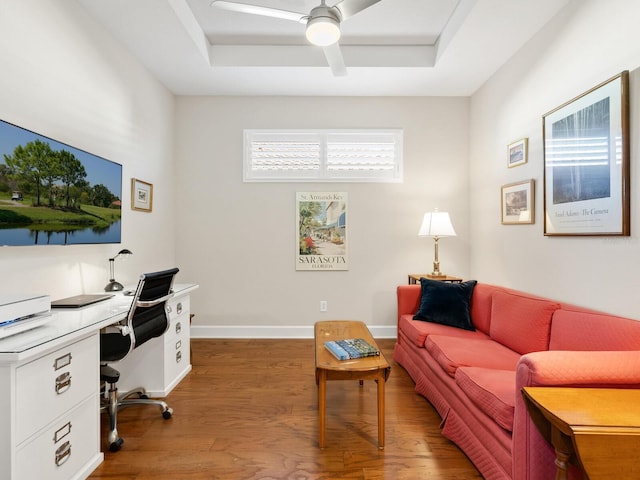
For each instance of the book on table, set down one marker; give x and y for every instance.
(351, 348)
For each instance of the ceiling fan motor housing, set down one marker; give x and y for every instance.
(323, 26)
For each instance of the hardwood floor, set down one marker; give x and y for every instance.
(248, 410)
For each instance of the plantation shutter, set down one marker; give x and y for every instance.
(323, 155)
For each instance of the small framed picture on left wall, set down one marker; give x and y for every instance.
(141, 195)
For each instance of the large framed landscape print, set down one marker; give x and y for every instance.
(586, 162)
(54, 194)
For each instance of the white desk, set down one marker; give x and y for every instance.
(50, 384)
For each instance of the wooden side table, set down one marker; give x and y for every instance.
(414, 278)
(596, 428)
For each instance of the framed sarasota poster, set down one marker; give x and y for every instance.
(321, 222)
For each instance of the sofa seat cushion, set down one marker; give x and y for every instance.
(452, 352)
(492, 391)
(417, 331)
(521, 322)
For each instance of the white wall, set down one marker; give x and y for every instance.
(237, 240)
(588, 43)
(62, 76)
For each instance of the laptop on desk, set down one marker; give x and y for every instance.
(78, 301)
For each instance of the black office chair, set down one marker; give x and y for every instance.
(147, 319)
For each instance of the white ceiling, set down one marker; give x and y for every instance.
(395, 47)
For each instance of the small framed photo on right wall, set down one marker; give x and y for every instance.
(518, 203)
(517, 152)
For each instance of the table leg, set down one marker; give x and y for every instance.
(563, 447)
(322, 404)
(381, 382)
(562, 464)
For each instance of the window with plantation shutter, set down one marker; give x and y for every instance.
(323, 155)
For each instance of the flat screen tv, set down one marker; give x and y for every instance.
(54, 194)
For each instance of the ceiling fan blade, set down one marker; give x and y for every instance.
(334, 58)
(258, 10)
(348, 8)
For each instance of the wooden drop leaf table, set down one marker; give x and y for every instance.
(329, 367)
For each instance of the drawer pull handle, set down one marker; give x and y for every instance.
(63, 383)
(178, 344)
(63, 453)
(179, 308)
(178, 357)
(178, 327)
(62, 361)
(62, 432)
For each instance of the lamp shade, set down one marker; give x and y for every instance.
(323, 30)
(113, 285)
(124, 251)
(436, 224)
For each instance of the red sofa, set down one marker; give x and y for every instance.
(474, 378)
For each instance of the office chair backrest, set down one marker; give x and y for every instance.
(147, 317)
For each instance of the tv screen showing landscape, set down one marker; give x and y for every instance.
(54, 194)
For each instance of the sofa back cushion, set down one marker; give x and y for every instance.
(481, 306)
(521, 322)
(576, 329)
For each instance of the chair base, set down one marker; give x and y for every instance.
(114, 402)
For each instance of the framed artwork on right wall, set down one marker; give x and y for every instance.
(586, 162)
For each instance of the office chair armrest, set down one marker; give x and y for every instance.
(122, 329)
(151, 303)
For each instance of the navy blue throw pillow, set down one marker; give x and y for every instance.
(446, 303)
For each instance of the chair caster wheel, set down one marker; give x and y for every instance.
(117, 445)
(167, 414)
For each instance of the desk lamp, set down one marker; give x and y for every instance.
(436, 224)
(114, 286)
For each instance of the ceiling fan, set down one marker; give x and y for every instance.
(323, 23)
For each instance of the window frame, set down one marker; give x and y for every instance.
(386, 172)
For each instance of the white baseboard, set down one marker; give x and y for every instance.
(235, 331)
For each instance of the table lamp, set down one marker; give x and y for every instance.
(114, 286)
(436, 224)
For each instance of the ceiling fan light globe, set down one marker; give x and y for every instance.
(323, 31)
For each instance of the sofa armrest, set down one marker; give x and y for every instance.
(408, 299)
(533, 457)
(579, 368)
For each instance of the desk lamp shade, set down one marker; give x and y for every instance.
(113, 285)
(436, 224)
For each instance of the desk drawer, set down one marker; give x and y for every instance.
(177, 339)
(59, 452)
(178, 318)
(177, 357)
(49, 386)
